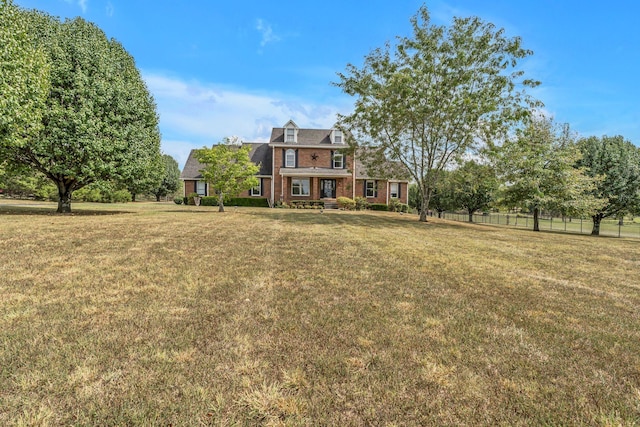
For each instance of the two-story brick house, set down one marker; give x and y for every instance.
(306, 164)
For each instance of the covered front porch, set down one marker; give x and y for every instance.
(314, 184)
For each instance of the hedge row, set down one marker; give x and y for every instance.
(378, 206)
(235, 201)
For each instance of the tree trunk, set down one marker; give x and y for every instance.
(64, 197)
(439, 214)
(470, 215)
(536, 222)
(596, 225)
(221, 203)
(423, 215)
(158, 197)
(425, 205)
(133, 196)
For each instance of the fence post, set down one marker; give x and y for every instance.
(507, 219)
(551, 223)
(619, 227)
(580, 225)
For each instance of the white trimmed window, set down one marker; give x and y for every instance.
(290, 135)
(300, 187)
(338, 161)
(257, 190)
(337, 137)
(371, 189)
(393, 190)
(290, 158)
(201, 188)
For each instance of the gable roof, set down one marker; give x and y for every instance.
(319, 137)
(260, 153)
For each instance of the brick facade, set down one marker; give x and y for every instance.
(312, 170)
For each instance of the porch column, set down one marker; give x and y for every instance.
(388, 187)
(314, 187)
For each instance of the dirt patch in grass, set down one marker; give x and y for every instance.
(184, 316)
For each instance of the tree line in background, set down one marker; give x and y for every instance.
(447, 94)
(545, 168)
(30, 184)
(75, 112)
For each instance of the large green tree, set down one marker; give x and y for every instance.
(474, 186)
(616, 163)
(100, 122)
(24, 79)
(433, 96)
(538, 171)
(170, 181)
(228, 169)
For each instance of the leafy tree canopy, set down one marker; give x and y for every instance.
(24, 79)
(443, 194)
(433, 96)
(474, 186)
(229, 169)
(538, 171)
(615, 162)
(171, 179)
(100, 122)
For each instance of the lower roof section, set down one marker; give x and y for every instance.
(316, 172)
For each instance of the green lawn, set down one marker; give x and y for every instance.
(159, 314)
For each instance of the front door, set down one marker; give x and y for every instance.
(328, 188)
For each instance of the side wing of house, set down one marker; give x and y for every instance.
(192, 177)
(259, 154)
(388, 181)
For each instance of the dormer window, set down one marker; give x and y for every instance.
(290, 132)
(337, 137)
(291, 135)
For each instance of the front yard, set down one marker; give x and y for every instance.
(149, 313)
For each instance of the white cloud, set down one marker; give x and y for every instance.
(195, 114)
(109, 9)
(82, 3)
(268, 36)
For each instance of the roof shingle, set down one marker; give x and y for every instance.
(260, 154)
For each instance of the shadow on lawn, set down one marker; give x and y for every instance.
(358, 219)
(47, 211)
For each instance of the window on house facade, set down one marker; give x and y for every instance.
(338, 161)
(337, 137)
(290, 159)
(290, 135)
(201, 188)
(371, 189)
(300, 187)
(393, 190)
(257, 190)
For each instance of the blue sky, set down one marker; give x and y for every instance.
(219, 68)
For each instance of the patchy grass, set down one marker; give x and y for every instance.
(166, 314)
